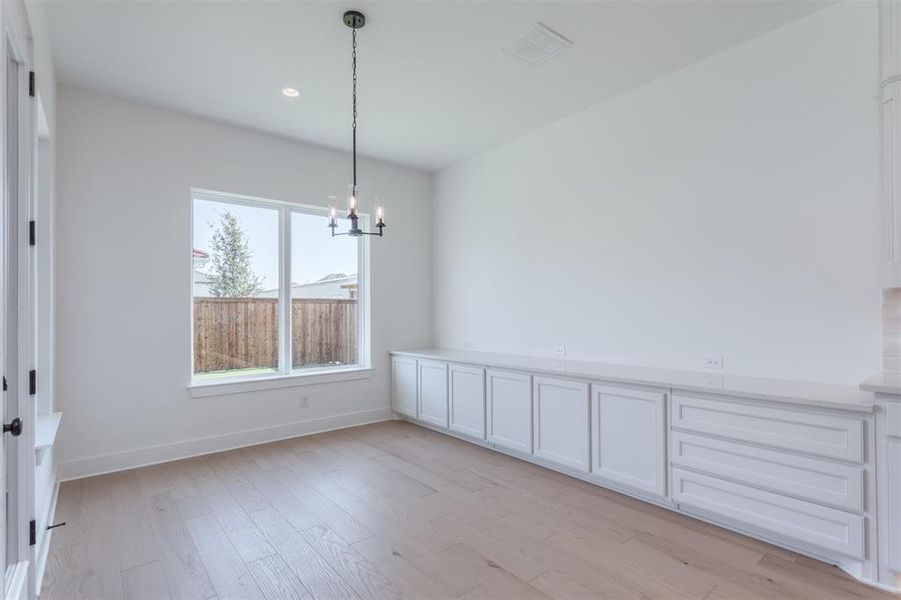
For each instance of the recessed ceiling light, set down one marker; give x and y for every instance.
(290, 92)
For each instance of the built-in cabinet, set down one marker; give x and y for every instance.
(560, 422)
(433, 392)
(794, 474)
(893, 462)
(404, 385)
(628, 437)
(509, 402)
(466, 396)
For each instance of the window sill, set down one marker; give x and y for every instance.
(221, 387)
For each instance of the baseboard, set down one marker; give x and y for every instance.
(40, 556)
(150, 455)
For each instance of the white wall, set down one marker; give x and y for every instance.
(729, 209)
(123, 326)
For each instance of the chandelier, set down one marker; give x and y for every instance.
(355, 20)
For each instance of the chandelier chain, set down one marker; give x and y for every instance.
(354, 66)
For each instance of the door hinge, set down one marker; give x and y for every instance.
(32, 382)
(4, 383)
(32, 233)
(31, 83)
(32, 533)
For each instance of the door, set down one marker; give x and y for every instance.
(560, 418)
(433, 392)
(403, 385)
(509, 396)
(17, 280)
(466, 388)
(628, 437)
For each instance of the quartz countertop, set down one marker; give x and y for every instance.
(826, 395)
(886, 382)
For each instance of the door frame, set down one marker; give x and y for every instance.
(18, 583)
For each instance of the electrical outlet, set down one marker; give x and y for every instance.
(305, 402)
(715, 362)
(559, 350)
(467, 343)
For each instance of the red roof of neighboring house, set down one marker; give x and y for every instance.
(195, 253)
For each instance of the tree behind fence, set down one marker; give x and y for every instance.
(242, 333)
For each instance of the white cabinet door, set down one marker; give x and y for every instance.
(466, 388)
(403, 385)
(510, 410)
(893, 472)
(433, 392)
(560, 422)
(628, 437)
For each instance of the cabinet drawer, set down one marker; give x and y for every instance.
(832, 436)
(813, 479)
(827, 528)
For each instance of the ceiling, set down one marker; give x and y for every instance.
(434, 82)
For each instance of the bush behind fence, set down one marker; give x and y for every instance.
(242, 333)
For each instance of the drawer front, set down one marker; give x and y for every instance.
(832, 436)
(821, 481)
(821, 526)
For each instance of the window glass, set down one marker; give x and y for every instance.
(324, 294)
(235, 260)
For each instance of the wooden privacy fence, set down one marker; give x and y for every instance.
(242, 333)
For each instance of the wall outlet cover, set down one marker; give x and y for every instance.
(713, 362)
(559, 350)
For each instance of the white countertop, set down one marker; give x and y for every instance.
(842, 397)
(887, 382)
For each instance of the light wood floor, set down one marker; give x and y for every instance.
(393, 510)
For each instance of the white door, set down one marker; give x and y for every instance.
(466, 388)
(433, 392)
(628, 437)
(17, 297)
(509, 399)
(560, 422)
(403, 385)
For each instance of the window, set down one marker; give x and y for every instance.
(273, 293)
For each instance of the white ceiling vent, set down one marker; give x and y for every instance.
(537, 45)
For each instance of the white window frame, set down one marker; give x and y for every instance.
(285, 375)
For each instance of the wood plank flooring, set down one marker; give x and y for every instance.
(394, 511)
